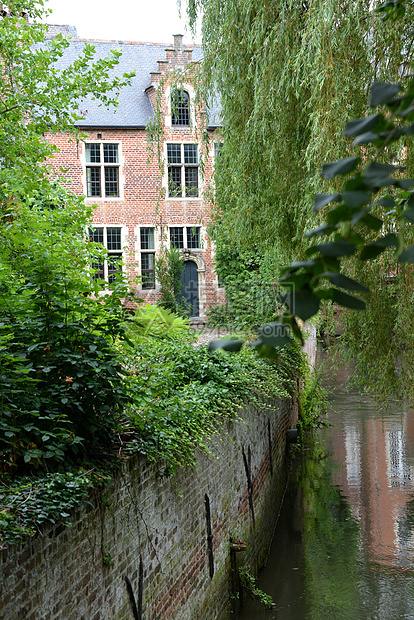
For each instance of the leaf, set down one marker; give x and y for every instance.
(292, 281)
(377, 169)
(362, 125)
(376, 247)
(343, 166)
(372, 222)
(348, 301)
(339, 214)
(407, 256)
(356, 198)
(323, 199)
(376, 175)
(344, 282)
(381, 93)
(355, 182)
(387, 202)
(298, 265)
(367, 138)
(303, 303)
(409, 214)
(405, 183)
(336, 248)
(408, 131)
(275, 335)
(226, 345)
(324, 229)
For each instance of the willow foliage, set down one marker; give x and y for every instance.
(289, 75)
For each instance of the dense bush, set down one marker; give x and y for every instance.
(60, 380)
(181, 393)
(158, 322)
(251, 289)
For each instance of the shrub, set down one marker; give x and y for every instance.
(180, 394)
(158, 322)
(60, 379)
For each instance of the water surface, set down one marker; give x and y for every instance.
(344, 544)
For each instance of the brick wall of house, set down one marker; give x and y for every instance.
(141, 203)
(154, 532)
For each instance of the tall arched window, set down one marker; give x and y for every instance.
(180, 107)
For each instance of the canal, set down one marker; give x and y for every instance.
(344, 544)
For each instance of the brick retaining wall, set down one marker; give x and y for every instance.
(154, 532)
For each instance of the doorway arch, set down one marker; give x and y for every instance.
(193, 283)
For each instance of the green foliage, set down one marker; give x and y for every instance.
(169, 268)
(27, 503)
(313, 402)
(60, 381)
(180, 393)
(248, 583)
(373, 218)
(158, 322)
(251, 289)
(38, 96)
(289, 76)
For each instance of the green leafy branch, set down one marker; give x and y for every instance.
(371, 213)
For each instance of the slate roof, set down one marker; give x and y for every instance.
(134, 110)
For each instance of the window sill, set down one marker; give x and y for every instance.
(104, 199)
(183, 198)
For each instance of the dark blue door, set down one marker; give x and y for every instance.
(189, 288)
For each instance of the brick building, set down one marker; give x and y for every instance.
(144, 205)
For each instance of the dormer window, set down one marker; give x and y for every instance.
(180, 108)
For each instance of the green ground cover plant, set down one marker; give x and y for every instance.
(180, 394)
(26, 503)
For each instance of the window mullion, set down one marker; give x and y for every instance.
(102, 179)
(105, 263)
(183, 190)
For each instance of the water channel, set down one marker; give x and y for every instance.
(344, 544)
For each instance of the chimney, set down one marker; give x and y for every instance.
(178, 41)
(162, 65)
(176, 56)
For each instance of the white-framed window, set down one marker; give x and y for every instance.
(181, 113)
(180, 108)
(182, 161)
(147, 256)
(111, 238)
(102, 169)
(185, 237)
(217, 149)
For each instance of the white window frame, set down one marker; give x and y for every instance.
(168, 117)
(147, 251)
(121, 251)
(183, 166)
(185, 236)
(102, 165)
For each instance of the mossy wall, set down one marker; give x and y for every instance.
(154, 532)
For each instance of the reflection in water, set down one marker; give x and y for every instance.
(344, 545)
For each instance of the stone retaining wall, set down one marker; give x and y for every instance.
(153, 533)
